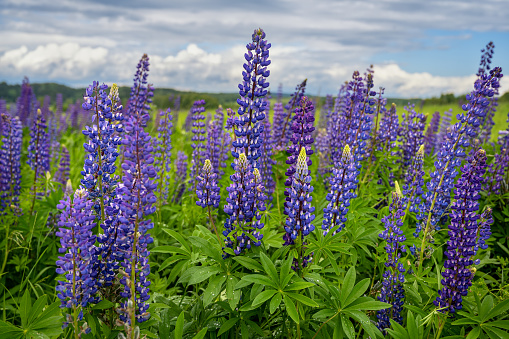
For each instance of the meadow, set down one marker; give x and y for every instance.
(277, 217)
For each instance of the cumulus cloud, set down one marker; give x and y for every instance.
(195, 68)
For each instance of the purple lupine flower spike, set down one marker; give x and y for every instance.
(10, 162)
(430, 139)
(252, 105)
(457, 276)
(412, 188)
(411, 133)
(343, 183)
(38, 156)
(198, 129)
(246, 198)
(302, 128)
(62, 174)
(78, 251)
(163, 148)
(180, 176)
(207, 189)
(283, 124)
(299, 210)
(392, 291)
(497, 169)
(26, 109)
(266, 159)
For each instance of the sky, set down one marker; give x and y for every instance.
(418, 48)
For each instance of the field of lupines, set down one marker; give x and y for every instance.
(267, 220)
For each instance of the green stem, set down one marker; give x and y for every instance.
(322, 325)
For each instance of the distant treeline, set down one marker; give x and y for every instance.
(10, 93)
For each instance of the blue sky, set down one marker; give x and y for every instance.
(419, 49)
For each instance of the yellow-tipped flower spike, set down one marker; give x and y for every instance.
(207, 166)
(257, 175)
(420, 152)
(398, 190)
(302, 163)
(347, 152)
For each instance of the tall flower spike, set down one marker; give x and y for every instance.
(452, 151)
(208, 192)
(457, 276)
(252, 105)
(392, 291)
(430, 139)
(62, 174)
(266, 160)
(180, 176)
(138, 199)
(38, 156)
(207, 189)
(198, 138)
(343, 183)
(299, 211)
(163, 148)
(283, 124)
(78, 251)
(246, 198)
(302, 128)
(10, 162)
(412, 188)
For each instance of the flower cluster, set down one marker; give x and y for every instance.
(414, 182)
(343, 183)
(207, 189)
(392, 291)
(252, 105)
(267, 159)
(246, 199)
(457, 277)
(198, 129)
(78, 251)
(10, 164)
(411, 133)
(283, 119)
(38, 156)
(162, 150)
(299, 210)
(62, 174)
(430, 139)
(302, 128)
(26, 103)
(180, 176)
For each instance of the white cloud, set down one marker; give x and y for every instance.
(194, 68)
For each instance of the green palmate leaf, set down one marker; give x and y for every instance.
(303, 299)
(207, 248)
(179, 326)
(179, 238)
(366, 324)
(259, 279)
(255, 327)
(496, 333)
(356, 292)
(232, 294)
(499, 323)
(227, 325)
(262, 297)
(37, 309)
(10, 331)
(474, 333)
(347, 326)
(322, 314)
(201, 334)
(213, 289)
(285, 271)
(398, 331)
(348, 284)
(171, 260)
(366, 303)
(413, 328)
(499, 309)
(269, 268)
(465, 321)
(275, 302)
(338, 329)
(249, 263)
(197, 274)
(25, 307)
(300, 285)
(486, 306)
(169, 249)
(291, 309)
(176, 270)
(103, 305)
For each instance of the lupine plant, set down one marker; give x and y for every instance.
(94, 262)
